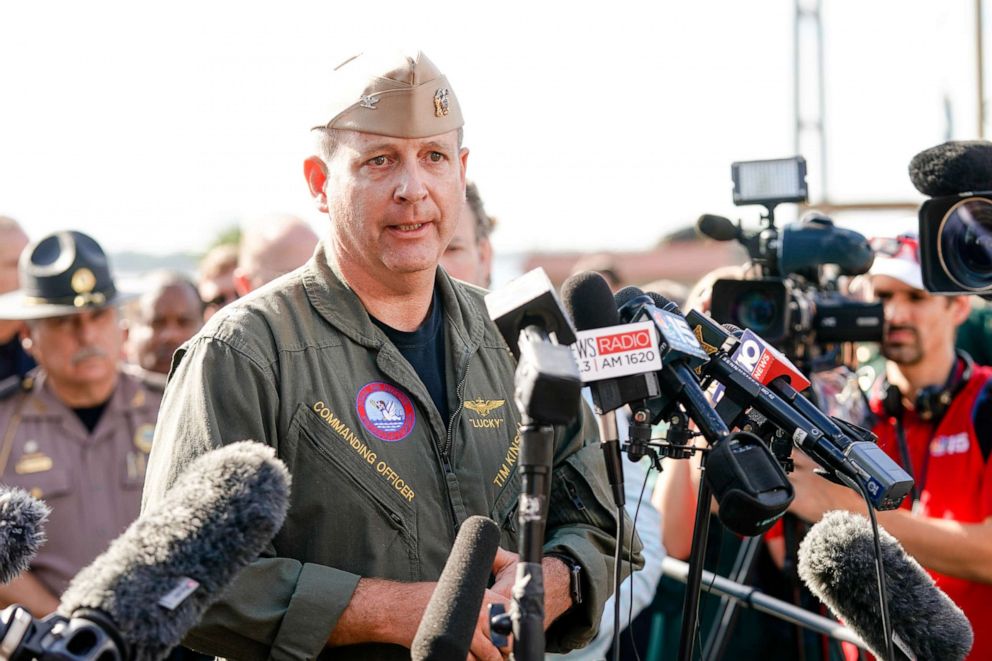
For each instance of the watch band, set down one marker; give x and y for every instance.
(574, 575)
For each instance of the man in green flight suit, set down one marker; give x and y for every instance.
(388, 393)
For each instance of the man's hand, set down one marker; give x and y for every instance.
(482, 648)
(557, 583)
(816, 495)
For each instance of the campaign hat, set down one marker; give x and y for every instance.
(64, 273)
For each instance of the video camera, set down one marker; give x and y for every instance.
(794, 302)
(956, 223)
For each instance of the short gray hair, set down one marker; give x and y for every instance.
(484, 223)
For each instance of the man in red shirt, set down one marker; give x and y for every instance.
(933, 412)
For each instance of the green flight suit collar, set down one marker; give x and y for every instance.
(337, 303)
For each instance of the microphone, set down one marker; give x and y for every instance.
(21, 531)
(717, 227)
(886, 481)
(826, 440)
(155, 581)
(534, 325)
(747, 481)
(589, 301)
(680, 352)
(957, 166)
(446, 630)
(837, 564)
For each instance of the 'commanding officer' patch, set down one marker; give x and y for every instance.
(386, 411)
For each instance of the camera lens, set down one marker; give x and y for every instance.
(964, 244)
(756, 310)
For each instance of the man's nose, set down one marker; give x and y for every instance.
(412, 185)
(897, 312)
(86, 330)
(171, 332)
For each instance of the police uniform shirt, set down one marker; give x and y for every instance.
(92, 481)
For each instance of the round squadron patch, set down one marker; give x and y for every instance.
(386, 411)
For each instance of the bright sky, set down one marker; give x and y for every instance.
(606, 125)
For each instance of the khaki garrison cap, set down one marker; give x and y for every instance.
(392, 94)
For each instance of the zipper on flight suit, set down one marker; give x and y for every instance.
(450, 435)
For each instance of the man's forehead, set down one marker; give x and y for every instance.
(88, 313)
(170, 295)
(361, 141)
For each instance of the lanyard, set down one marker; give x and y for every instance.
(907, 463)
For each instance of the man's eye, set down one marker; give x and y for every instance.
(436, 156)
(378, 161)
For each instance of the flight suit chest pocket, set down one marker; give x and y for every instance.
(350, 508)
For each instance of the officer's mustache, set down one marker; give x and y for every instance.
(88, 352)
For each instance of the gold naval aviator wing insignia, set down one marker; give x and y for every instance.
(484, 406)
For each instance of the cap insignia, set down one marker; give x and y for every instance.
(369, 101)
(441, 102)
(83, 281)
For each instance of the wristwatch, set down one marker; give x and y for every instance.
(574, 575)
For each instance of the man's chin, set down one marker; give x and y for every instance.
(902, 354)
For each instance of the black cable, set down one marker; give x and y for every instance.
(880, 572)
(630, 605)
(617, 573)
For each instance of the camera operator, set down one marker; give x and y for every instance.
(933, 414)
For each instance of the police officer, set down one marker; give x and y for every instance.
(388, 393)
(76, 432)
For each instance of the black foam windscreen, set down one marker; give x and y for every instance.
(837, 564)
(446, 630)
(748, 483)
(663, 303)
(22, 533)
(717, 227)
(589, 301)
(958, 166)
(626, 295)
(155, 581)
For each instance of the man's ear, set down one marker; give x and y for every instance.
(960, 309)
(463, 159)
(26, 342)
(315, 171)
(242, 283)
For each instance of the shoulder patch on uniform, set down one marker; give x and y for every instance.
(385, 411)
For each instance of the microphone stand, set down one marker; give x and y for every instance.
(714, 430)
(88, 637)
(547, 386)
